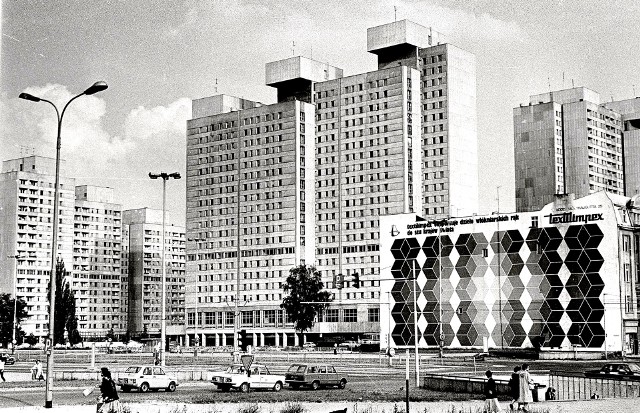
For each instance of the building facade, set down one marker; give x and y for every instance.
(144, 251)
(563, 278)
(96, 271)
(304, 181)
(88, 244)
(567, 142)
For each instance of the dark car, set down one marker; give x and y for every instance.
(315, 376)
(618, 370)
(8, 360)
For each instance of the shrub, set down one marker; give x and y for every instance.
(292, 408)
(249, 408)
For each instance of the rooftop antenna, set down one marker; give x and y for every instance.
(611, 96)
(563, 80)
(573, 84)
(293, 48)
(395, 13)
(216, 86)
(549, 82)
(634, 90)
(312, 52)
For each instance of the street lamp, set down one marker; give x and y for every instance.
(163, 326)
(95, 88)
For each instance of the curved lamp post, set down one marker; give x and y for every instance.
(95, 88)
(163, 325)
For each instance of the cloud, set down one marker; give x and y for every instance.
(151, 138)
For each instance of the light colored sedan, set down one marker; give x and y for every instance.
(145, 378)
(257, 377)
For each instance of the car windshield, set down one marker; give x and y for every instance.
(236, 369)
(634, 368)
(133, 369)
(296, 368)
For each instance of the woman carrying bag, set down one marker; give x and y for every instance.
(108, 402)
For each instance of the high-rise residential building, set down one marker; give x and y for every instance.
(96, 272)
(304, 181)
(629, 109)
(447, 89)
(88, 245)
(567, 141)
(144, 229)
(26, 217)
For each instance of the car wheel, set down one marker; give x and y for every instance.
(144, 387)
(342, 384)
(172, 387)
(315, 385)
(244, 387)
(277, 387)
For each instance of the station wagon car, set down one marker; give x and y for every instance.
(237, 377)
(145, 378)
(620, 370)
(314, 376)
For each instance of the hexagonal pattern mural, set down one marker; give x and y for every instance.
(507, 286)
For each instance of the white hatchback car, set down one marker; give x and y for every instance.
(145, 378)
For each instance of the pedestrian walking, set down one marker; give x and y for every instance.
(2, 361)
(514, 387)
(36, 371)
(525, 386)
(491, 404)
(108, 402)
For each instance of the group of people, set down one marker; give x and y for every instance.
(520, 390)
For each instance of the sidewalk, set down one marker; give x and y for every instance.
(584, 406)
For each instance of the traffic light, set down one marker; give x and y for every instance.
(338, 281)
(243, 340)
(356, 280)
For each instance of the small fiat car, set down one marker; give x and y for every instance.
(145, 378)
(237, 377)
(314, 376)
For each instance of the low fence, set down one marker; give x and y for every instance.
(461, 384)
(579, 387)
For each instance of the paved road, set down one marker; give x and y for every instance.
(589, 406)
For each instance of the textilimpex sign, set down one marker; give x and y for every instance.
(508, 280)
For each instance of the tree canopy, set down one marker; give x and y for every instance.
(306, 298)
(65, 308)
(6, 319)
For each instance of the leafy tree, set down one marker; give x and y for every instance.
(31, 339)
(6, 318)
(110, 335)
(306, 298)
(65, 308)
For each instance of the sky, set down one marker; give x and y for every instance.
(158, 55)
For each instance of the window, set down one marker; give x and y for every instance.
(350, 315)
(331, 316)
(534, 222)
(625, 243)
(374, 315)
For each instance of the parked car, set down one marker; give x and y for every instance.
(145, 378)
(617, 370)
(314, 375)
(351, 345)
(8, 359)
(238, 378)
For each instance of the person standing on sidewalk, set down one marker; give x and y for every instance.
(526, 385)
(514, 386)
(2, 361)
(491, 404)
(36, 371)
